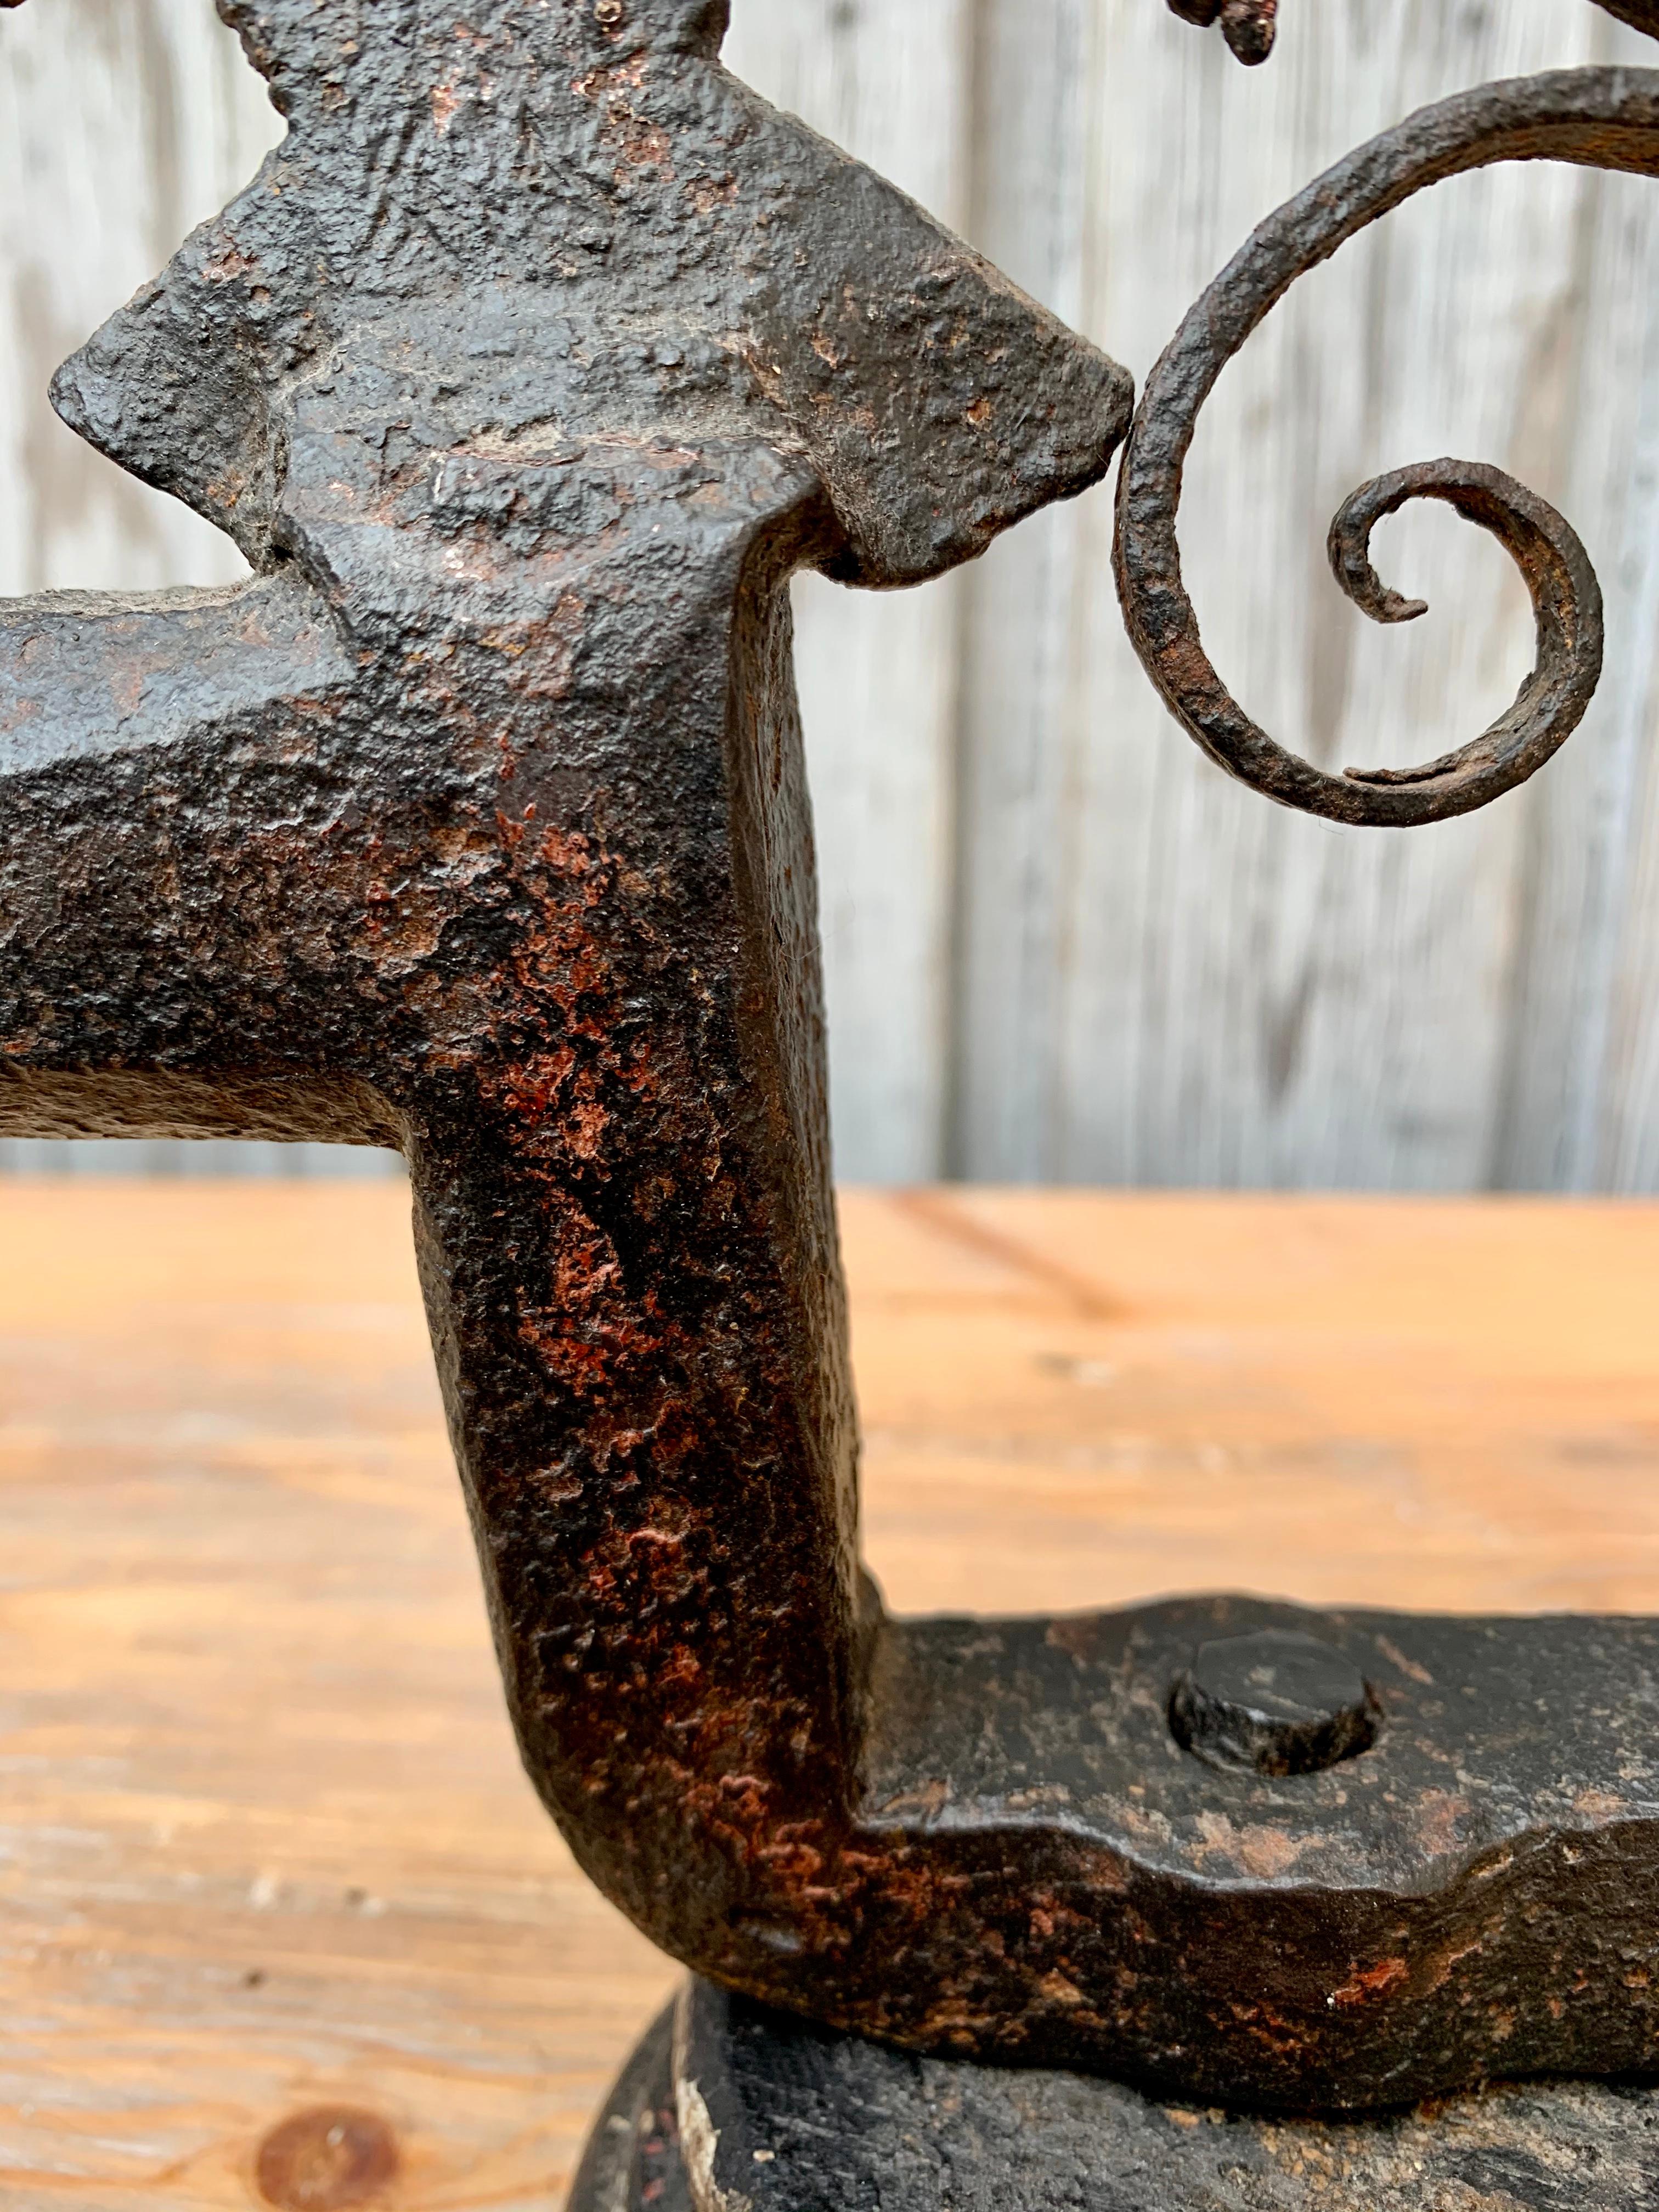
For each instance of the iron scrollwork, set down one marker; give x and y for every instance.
(1597, 117)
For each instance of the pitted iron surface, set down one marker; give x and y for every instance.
(525, 373)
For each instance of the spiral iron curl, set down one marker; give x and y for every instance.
(1605, 118)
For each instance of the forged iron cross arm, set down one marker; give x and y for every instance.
(525, 373)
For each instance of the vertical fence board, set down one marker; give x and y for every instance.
(1576, 1028)
(1018, 752)
(878, 673)
(123, 123)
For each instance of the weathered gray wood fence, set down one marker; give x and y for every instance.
(1059, 945)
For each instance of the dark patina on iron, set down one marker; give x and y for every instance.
(1249, 26)
(525, 373)
(1276, 1701)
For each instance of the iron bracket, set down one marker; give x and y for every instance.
(530, 367)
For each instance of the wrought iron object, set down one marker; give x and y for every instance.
(1249, 27)
(525, 373)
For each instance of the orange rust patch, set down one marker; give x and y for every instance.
(1267, 1853)
(1599, 1805)
(1058, 1991)
(586, 1125)
(227, 491)
(1440, 1815)
(614, 77)
(1408, 1667)
(644, 146)
(707, 193)
(641, 143)
(1373, 1982)
(1446, 1965)
(229, 263)
(1284, 2039)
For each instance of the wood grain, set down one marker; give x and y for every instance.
(266, 1851)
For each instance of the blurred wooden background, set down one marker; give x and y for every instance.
(1060, 946)
(266, 1850)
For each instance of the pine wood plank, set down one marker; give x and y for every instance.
(264, 1847)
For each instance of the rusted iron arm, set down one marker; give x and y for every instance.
(525, 373)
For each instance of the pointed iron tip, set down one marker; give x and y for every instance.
(1250, 28)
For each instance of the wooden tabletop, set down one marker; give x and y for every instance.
(267, 1858)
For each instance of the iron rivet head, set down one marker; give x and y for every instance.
(1275, 1702)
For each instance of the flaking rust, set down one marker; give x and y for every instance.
(527, 372)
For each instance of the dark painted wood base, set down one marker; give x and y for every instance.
(728, 2108)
